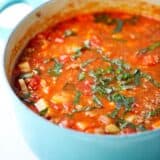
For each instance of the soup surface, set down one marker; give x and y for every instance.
(96, 73)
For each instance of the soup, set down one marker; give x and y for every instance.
(95, 73)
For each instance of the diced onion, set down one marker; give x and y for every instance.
(112, 128)
(41, 105)
(81, 125)
(23, 86)
(60, 98)
(130, 118)
(24, 67)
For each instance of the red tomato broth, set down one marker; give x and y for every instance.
(57, 82)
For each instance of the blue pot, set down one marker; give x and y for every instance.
(51, 142)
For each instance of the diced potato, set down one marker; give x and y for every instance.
(41, 105)
(104, 119)
(23, 86)
(64, 123)
(130, 118)
(43, 83)
(44, 86)
(156, 124)
(112, 128)
(60, 98)
(71, 48)
(82, 125)
(117, 36)
(24, 67)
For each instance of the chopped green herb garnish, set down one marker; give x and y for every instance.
(43, 112)
(140, 128)
(97, 101)
(26, 75)
(150, 79)
(121, 100)
(137, 77)
(124, 124)
(25, 96)
(104, 18)
(87, 62)
(153, 113)
(77, 97)
(119, 26)
(56, 69)
(81, 76)
(83, 109)
(149, 48)
(114, 113)
(77, 53)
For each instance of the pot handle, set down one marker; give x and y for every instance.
(6, 11)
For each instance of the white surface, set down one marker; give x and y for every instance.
(12, 144)
(13, 18)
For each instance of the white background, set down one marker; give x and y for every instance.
(12, 144)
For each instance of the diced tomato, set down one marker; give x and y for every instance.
(137, 109)
(58, 107)
(34, 83)
(64, 59)
(95, 41)
(59, 40)
(34, 109)
(149, 60)
(128, 130)
(85, 87)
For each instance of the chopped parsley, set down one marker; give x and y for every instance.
(81, 76)
(119, 26)
(104, 18)
(151, 47)
(78, 51)
(56, 69)
(97, 101)
(77, 97)
(43, 112)
(114, 113)
(153, 113)
(121, 100)
(87, 62)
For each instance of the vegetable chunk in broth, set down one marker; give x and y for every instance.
(95, 73)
